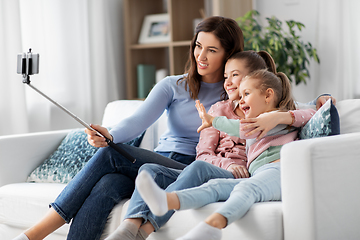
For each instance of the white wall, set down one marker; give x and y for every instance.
(304, 11)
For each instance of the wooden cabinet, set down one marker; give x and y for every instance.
(171, 55)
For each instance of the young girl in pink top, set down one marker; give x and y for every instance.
(262, 93)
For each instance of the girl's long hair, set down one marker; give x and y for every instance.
(254, 61)
(231, 38)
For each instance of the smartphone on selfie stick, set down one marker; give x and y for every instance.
(28, 64)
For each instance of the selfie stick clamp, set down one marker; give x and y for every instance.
(28, 64)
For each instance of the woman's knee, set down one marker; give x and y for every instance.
(115, 186)
(106, 151)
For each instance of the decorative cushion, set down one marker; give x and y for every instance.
(325, 122)
(69, 158)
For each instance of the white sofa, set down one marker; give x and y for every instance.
(320, 184)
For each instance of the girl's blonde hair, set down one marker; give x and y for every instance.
(279, 83)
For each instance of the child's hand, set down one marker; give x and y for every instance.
(239, 171)
(206, 118)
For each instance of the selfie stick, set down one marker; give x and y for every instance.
(26, 79)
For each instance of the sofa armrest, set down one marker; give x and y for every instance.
(20, 154)
(320, 188)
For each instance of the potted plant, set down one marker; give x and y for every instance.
(290, 53)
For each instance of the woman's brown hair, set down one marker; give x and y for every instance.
(231, 38)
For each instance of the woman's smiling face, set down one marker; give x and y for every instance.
(235, 70)
(209, 56)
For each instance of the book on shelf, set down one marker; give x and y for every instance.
(146, 74)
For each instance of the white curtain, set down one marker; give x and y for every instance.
(81, 61)
(12, 95)
(339, 48)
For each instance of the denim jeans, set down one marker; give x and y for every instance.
(170, 179)
(185, 159)
(105, 180)
(240, 194)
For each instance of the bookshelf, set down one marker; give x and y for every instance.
(170, 55)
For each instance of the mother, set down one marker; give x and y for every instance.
(109, 177)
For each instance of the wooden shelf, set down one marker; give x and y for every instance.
(170, 55)
(160, 45)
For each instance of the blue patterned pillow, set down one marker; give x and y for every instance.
(69, 158)
(325, 122)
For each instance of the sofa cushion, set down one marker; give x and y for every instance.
(23, 204)
(69, 158)
(263, 221)
(117, 110)
(325, 122)
(349, 112)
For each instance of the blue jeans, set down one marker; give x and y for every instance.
(240, 194)
(105, 180)
(170, 179)
(185, 159)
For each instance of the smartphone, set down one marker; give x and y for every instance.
(28, 63)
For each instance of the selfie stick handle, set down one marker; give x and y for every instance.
(109, 142)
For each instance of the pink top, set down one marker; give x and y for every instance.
(218, 148)
(255, 148)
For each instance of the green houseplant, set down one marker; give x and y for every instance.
(290, 53)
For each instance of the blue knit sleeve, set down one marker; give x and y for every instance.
(154, 105)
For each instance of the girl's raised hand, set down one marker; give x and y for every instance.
(205, 117)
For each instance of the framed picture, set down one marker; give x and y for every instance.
(155, 29)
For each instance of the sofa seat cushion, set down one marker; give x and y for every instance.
(22, 204)
(263, 221)
(349, 112)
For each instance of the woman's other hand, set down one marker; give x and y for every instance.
(205, 117)
(239, 171)
(263, 123)
(322, 100)
(94, 139)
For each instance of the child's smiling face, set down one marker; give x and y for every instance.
(235, 70)
(252, 100)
